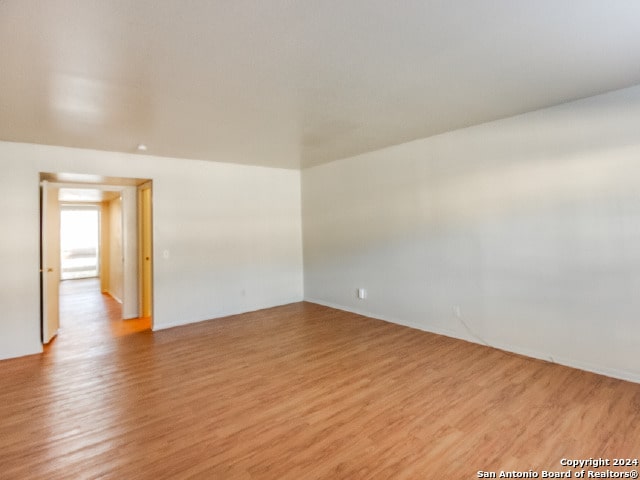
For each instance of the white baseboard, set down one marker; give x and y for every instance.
(35, 349)
(546, 356)
(108, 292)
(222, 314)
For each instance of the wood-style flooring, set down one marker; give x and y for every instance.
(294, 392)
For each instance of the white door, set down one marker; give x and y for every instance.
(50, 267)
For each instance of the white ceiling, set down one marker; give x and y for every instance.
(290, 84)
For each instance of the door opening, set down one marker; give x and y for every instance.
(104, 230)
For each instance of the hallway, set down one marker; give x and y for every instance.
(90, 319)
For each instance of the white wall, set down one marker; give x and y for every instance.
(119, 275)
(105, 246)
(115, 271)
(530, 225)
(130, 257)
(233, 235)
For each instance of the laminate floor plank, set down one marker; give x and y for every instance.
(293, 392)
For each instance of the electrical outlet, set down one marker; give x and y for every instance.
(456, 311)
(362, 293)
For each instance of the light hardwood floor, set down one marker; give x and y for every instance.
(297, 392)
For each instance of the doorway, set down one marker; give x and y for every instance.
(100, 230)
(79, 241)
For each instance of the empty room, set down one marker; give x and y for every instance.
(328, 240)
